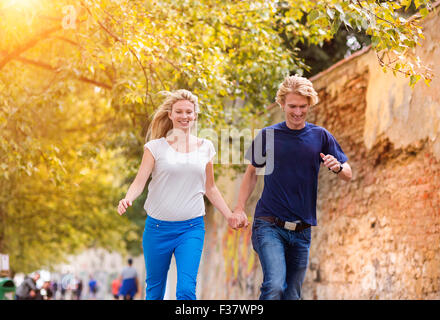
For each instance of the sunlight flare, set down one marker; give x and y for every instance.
(20, 3)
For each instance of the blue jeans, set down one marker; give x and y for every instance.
(162, 239)
(284, 256)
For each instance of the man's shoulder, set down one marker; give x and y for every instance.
(275, 126)
(272, 128)
(316, 128)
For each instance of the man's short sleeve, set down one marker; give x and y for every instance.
(256, 153)
(331, 146)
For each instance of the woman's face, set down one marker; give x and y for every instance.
(182, 115)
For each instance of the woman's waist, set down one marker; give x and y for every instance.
(161, 222)
(175, 204)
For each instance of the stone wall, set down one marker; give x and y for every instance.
(378, 236)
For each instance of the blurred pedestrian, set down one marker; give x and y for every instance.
(93, 287)
(116, 285)
(129, 286)
(63, 286)
(62, 291)
(54, 286)
(78, 289)
(28, 290)
(46, 292)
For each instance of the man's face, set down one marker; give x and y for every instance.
(295, 110)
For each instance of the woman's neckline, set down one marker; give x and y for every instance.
(170, 146)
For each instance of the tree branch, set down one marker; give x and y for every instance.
(388, 65)
(31, 43)
(67, 40)
(46, 66)
(94, 82)
(369, 11)
(235, 27)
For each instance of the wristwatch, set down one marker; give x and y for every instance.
(340, 169)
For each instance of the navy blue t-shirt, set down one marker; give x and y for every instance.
(292, 160)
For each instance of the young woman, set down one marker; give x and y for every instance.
(182, 172)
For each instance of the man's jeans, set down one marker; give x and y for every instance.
(284, 257)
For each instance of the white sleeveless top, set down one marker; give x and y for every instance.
(176, 190)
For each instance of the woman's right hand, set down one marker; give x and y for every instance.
(123, 205)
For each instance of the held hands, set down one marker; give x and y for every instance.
(330, 162)
(123, 205)
(238, 219)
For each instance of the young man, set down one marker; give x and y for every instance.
(291, 152)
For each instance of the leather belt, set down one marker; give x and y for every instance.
(286, 224)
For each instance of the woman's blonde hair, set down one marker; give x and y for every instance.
(161, 124)
(298, 85)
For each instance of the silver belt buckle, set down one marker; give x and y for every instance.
(290, 225)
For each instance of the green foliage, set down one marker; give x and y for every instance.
(57, 186)
(394, 35)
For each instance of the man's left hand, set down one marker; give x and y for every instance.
(330, 162)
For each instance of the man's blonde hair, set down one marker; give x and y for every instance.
(298, 85)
